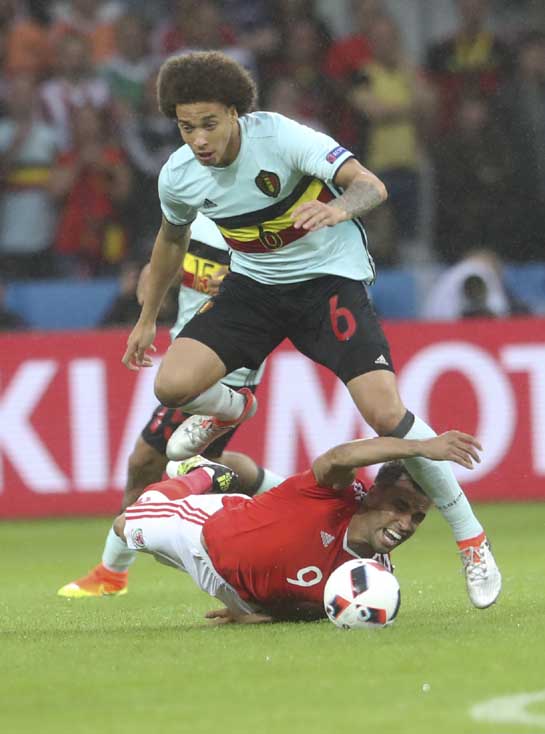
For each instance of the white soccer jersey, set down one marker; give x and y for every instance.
(199, 264)
(281, 164)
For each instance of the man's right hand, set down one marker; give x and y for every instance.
(140, 342)
(456, 446)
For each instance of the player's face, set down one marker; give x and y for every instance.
(211, 130)
(394, 514)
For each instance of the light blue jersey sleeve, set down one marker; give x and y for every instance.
(174, 210)
(309, 151)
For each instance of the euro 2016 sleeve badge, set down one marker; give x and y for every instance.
(268, 183)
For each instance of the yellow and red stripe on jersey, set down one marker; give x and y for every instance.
(272, 228)
(28, 177)
(201, 263)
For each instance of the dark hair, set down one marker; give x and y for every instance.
(204, 76)
(390, 472)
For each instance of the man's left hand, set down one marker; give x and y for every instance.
(224, 616)
(314, 215)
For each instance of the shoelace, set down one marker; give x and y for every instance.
(474, 561)
(198, 431)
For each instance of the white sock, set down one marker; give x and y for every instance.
(219, 400)
(116, 556)
(438, 481)
(270, 480)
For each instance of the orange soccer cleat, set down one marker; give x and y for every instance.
(100, 581)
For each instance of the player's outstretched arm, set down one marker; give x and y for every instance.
(166, 260)
(336, 467)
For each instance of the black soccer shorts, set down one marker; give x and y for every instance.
(328, 319)
(164, 421)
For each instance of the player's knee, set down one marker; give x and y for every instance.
(171, 392)
(119, 526)
(384, 422)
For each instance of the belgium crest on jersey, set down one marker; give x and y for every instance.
(268, 182)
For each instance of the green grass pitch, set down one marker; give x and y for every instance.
(147, 662)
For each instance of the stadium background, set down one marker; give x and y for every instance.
(77, 81)
(70, 249)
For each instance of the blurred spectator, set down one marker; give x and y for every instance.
(301, 58)
(475, 182)
(127, 71)
(9, 320)
(195, 25)
(24, 41)
(148, 140)
(93, 183)
(343, 62)
(348, 54)
(475, 298)
(523, 104)
(473, 287)
(398, 104)
(125, 310)
(93, 19)
(473, 59)
(284, 97)
(75, 85)
(28, 150)
(254, 21)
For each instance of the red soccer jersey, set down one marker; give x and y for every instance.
(278, 549)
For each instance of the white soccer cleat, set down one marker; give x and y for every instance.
(483, 577)
(197, 432)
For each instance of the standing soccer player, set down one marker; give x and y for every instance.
(288, 201)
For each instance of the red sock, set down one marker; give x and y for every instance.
(198, 482)
(469, 542)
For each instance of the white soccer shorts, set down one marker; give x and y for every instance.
(171, 531)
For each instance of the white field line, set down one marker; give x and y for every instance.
(511, 710)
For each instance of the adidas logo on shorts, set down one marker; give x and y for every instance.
(381, 360)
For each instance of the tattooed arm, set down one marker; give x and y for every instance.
(363, 191)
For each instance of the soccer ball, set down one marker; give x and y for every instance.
(361, 593)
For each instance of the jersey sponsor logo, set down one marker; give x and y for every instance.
(268, 183)
(381, 360)
(337, 152)
(327, 538)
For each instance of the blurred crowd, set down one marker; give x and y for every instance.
(457, 135)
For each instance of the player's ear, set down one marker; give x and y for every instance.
(373, 497)
(232, 111)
